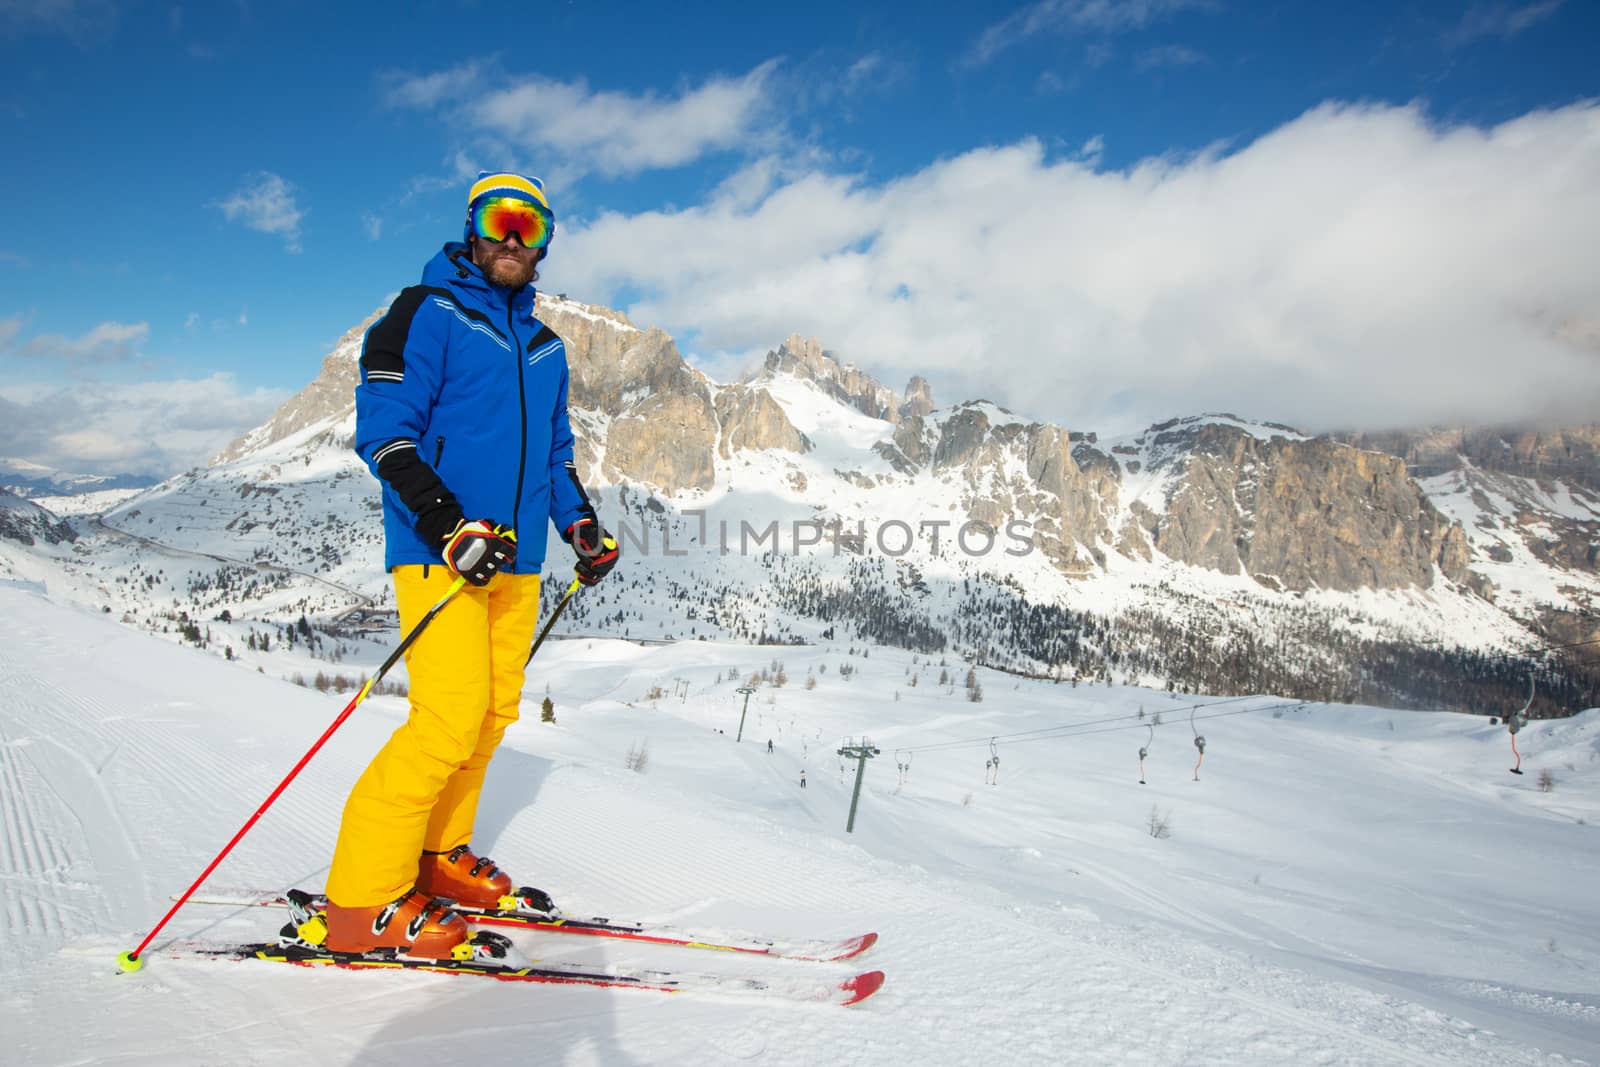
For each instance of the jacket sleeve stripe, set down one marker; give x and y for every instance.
(471, 318)
(416, 483)
(536, 354)
(381, 454)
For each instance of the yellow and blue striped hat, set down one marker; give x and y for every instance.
(503, 183)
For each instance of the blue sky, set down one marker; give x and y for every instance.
(1099, 212)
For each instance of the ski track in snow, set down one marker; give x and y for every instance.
(1017, 929)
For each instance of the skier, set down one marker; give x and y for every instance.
(461, 413)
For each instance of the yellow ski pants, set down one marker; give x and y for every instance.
(421, 790)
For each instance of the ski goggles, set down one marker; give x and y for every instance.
(496, 218)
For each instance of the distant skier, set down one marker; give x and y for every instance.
(769, 746)
(461, 413)
(802, 779)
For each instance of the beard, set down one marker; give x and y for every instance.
(504, 269)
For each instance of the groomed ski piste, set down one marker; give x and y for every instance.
(1342, 885)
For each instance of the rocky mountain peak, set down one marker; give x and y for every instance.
(804, 357)
(919, 398)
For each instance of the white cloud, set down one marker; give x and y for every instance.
(614, 133)
(265, 202)
(1069, 17)
(1358, 266)
(153, 427)
(443, 87)
(1500, 19)
(109, 342)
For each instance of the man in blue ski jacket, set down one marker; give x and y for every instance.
(461, 413)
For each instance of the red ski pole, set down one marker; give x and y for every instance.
(130, 961)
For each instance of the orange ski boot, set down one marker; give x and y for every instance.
(475, 882)
(415, 924)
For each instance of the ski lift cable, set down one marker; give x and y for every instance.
(1081, 728)
(1218, 715)
(1557, 648)
(1067, 730)
(1045, 732)
(1026, 734)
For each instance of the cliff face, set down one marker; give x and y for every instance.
(1570, 453)
(751, 419)
(1291, 512)
(1297, 514)
(1531, 493)
(1012, 469)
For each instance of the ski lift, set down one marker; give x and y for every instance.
(904, 767)
(1516, 721)
(1144, 750)
(991, 768)
(1199, 743)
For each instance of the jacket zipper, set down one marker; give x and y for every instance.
(522, 404)
(438, 454)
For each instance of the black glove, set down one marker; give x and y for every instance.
(597, 550)
(480, 549)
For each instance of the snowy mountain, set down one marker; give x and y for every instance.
(809, 502)
(32, 480)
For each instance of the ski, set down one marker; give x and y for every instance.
(512, 968)
(818, 950)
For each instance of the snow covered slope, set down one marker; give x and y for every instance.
(1341, 885)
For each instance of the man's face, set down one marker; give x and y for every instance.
(505, 263)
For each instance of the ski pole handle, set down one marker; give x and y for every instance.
(571, 589)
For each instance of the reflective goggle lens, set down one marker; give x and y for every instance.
(497, 218)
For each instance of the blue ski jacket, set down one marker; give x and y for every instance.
(461, 412)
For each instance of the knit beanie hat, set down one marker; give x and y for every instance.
(503, 183)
